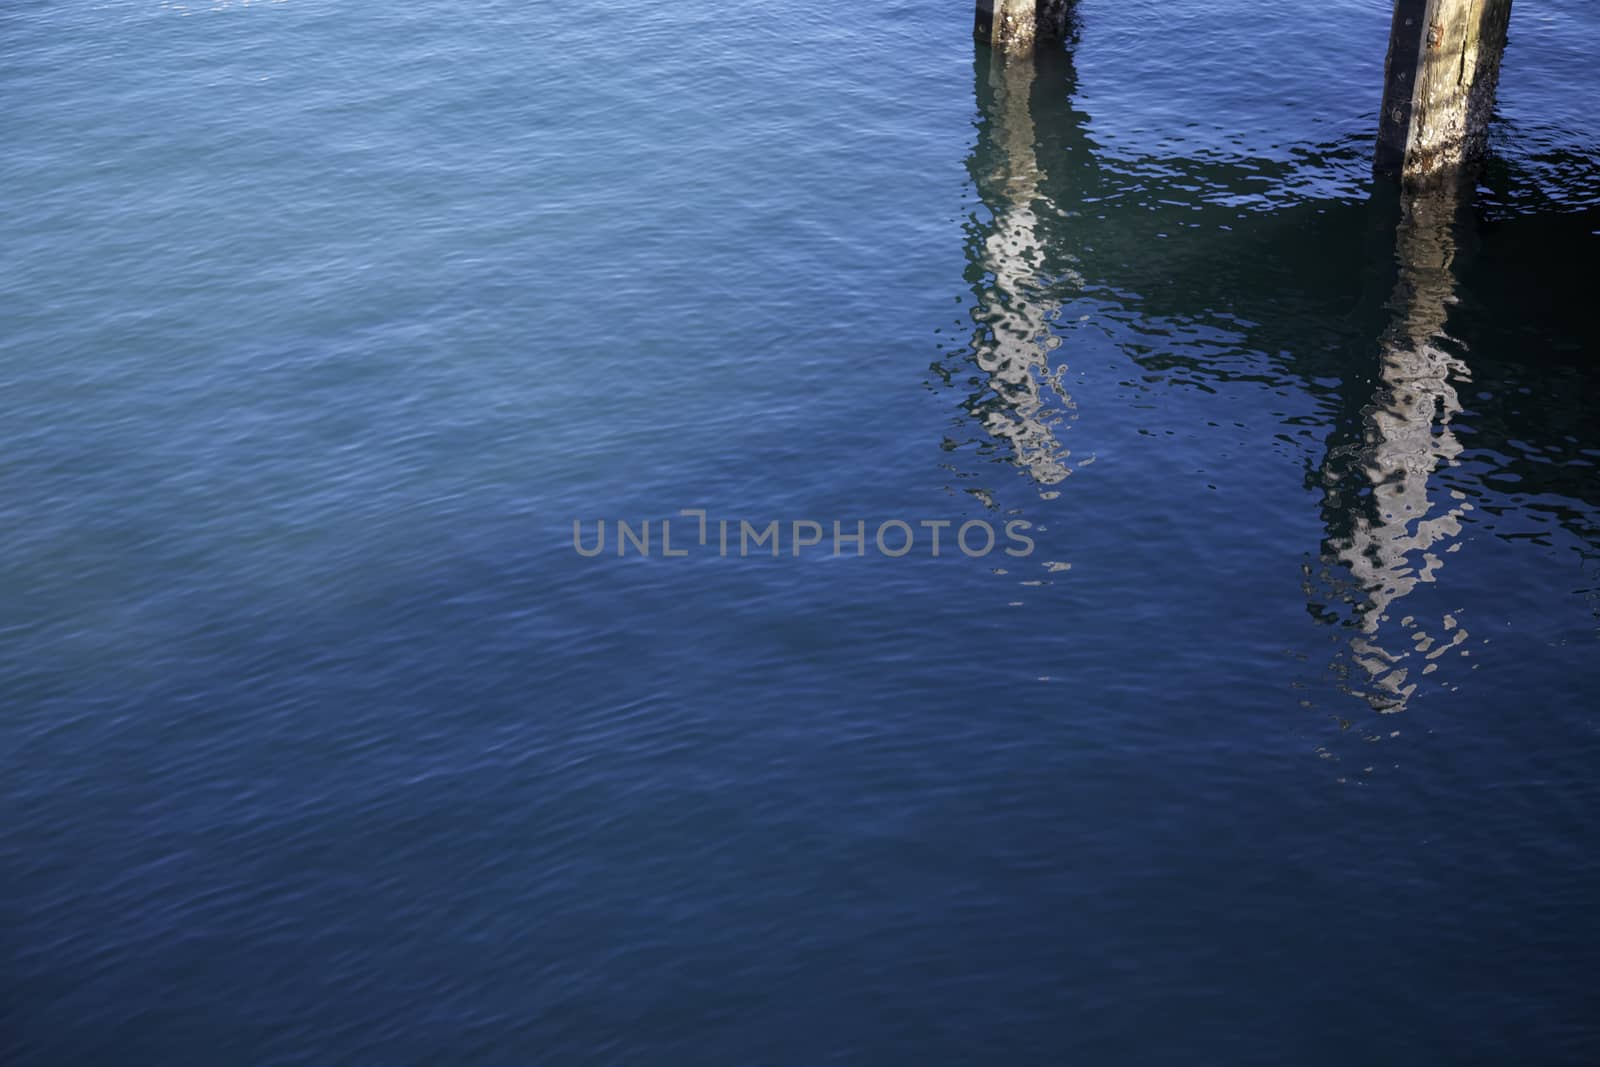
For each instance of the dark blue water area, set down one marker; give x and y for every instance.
(322, 324)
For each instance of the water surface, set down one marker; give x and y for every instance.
(321, 323)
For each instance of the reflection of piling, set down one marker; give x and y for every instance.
(1439, 82)
(1014, 25)
(1396, 538)
(1013, 338)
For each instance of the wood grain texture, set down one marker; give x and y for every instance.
(1439, 84)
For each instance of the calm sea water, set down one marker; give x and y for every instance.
(321, 323)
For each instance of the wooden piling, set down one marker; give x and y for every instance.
(1439, 82)
(1017, 25)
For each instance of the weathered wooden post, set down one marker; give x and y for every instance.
(1014, 25)
(1438, 88)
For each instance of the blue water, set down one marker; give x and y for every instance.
(321, 324)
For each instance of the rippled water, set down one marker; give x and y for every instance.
(321, 324)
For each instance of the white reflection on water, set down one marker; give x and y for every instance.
(1013, 340)
(1398, 539)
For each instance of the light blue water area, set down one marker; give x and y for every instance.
(322, 323)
